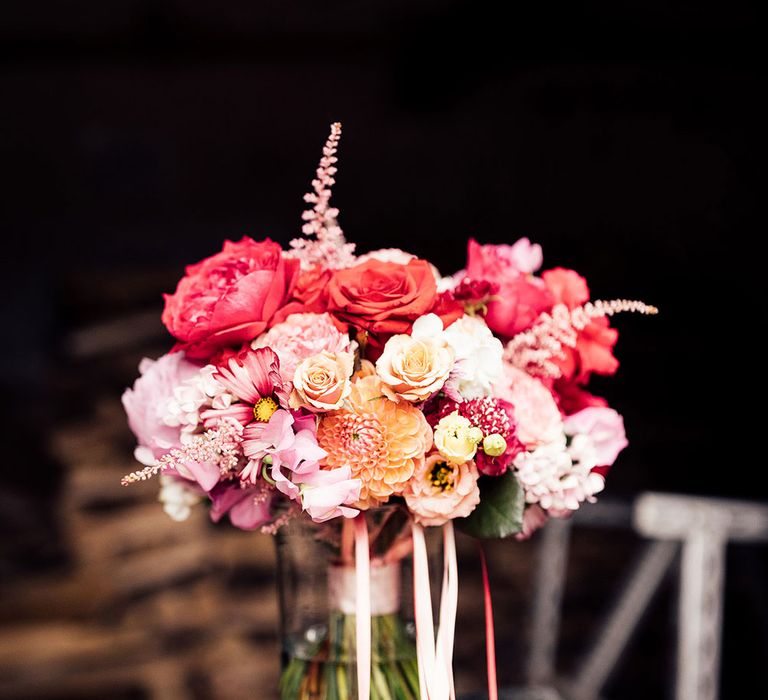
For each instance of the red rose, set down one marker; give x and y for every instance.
(229, 298)
(520, 298)
(594, 345)
(385, 298)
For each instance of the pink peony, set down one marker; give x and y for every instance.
(605, 429)
(536, 413)
(594, 345)
(230, 297)
(439, 491)
(301, 336)
(146, 403)
(521, 298)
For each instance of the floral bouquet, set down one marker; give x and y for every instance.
(369, 396)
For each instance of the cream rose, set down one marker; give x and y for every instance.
(440, 491)
(456, 438)
(322, 382)
(413, 367)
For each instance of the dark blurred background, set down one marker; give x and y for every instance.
(135, 135)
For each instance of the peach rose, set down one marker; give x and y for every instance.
(439, 491)
(321, 382)
(413, 367)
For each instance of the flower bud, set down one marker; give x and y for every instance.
(494, 445)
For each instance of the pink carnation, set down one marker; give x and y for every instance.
(301, 336)
(538, 419)
(145, 404)
(439, 492)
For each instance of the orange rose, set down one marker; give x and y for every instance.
(384, 298)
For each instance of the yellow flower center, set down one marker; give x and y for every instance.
(441, 477)
(264, 409)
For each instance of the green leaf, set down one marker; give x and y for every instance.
(500, 511)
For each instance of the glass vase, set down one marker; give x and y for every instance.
(316, 589)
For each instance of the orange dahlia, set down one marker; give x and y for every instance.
(382, 441)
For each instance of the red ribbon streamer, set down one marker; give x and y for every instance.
(490, 637)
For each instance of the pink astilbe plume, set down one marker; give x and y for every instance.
(537, 350)
(328, 249)
(215, 452)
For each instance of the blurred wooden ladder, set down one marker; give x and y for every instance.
(701, 528)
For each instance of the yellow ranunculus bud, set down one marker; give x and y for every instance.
(494, 445)
(456, 438)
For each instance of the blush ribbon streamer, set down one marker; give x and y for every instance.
(363, 602)
(434, 657)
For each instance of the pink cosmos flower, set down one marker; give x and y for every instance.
(605, 429)
(301, 336)
(253, 377)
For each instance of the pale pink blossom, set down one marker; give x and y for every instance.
(536, 413)
(301, 336)
(329, 249)
(178, 497)
(523, 255)
(192, 396)
(478, 356)
(329, 493)
(492, 261)
(145, 404)
(440, 491)
(554, 477)
(605, 429)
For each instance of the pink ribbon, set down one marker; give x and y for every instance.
(435, 659)
(363, 612)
